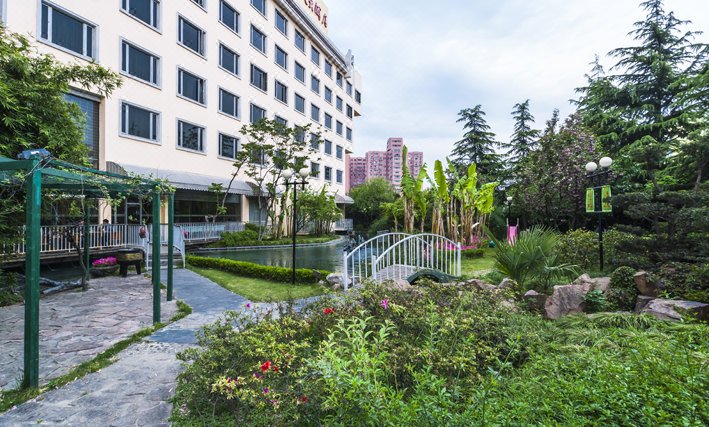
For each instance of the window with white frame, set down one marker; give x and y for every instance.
(299, 104)
(190, 86)
(147, 11)
(200, 3)
(314, 169)
(315, 84)
(328, 121)
(358, 97)
(259, 78)
(338, 128)
(228, 59)
(349, 111)
(299, 72)
(349, 134)
(338, 79)
(281, 92)
(190, 136)
(315, 112)
(328, 173)
(328, 95)
(228, 145)
(258, 39)
(282, 23)
(67, 31)
(229, 16)
(139, 63)
(349, 88)
(191, 36)
(281, 121)
(281, 58)
(259, 5)
(300, 41)
(328, 68)
(315, 56)
(339, 176)
(228, 103)
(338, 152)
(257, 113)
(328, 147)
(139, 122)
(338, 104)
(314, 141)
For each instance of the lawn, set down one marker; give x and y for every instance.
(477, 267)
(259, 290)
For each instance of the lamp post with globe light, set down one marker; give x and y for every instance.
(598, 177)
(298, 179)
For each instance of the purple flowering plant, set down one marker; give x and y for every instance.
(105, 262)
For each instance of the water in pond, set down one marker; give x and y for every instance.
(326, 257)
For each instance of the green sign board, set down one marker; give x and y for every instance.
(590, 200)
(606, 199)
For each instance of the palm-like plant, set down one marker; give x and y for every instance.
(533, 259)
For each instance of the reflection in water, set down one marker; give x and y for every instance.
(328, 257)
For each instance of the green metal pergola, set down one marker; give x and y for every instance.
(38, 174)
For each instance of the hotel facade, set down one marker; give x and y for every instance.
(194, 72)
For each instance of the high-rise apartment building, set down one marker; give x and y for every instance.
(194, 72)
(385, 164)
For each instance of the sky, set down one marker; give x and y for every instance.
(423, 61)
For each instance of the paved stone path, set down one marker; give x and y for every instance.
(134, 390)
(75, 326)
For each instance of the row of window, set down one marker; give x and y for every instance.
(74, 34)
(142, 123)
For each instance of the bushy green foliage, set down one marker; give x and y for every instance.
(685, 281)
(533, 261)
(441, 356)
(473, 253)
(622, 292)
(249, 269)
(595, 301)
(8, 292)
(249, 237)
(579, 247)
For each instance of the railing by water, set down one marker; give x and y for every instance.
(398, 255)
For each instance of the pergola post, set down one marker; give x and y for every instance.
(170, 241)
(155, 261)
(32, 249)
(87, 237)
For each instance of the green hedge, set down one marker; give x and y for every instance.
(249, 269)
(250, 238)
(473, 253)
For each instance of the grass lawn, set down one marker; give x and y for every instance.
(476, 267)
(259, 290)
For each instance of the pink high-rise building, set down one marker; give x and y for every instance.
(384, 164)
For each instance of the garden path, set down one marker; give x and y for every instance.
(134, 390)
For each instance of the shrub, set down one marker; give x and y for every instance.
(249, 269)
(685, 281)
(533, 261)
(579, 247)
(238, 238)
(595, 301)
(622, 292)
(472, 253)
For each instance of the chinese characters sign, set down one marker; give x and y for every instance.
(318, 11)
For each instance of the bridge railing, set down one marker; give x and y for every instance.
(357, 265)
(417, 252)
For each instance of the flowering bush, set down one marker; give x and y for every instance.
(105, 262)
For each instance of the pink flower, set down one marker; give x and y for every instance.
(385, 304)
(265, 390)
(248, 305)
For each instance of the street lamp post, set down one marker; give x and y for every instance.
(597, 177)
(287, 175)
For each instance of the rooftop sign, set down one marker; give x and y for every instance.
(318, 13)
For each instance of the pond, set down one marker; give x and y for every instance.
(324, 257)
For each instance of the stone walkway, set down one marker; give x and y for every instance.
(135, 390)
(75, 326)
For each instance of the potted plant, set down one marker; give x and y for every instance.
(104, 267)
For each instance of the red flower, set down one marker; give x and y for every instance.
(266, 366)
(328, 311)
(303, 399)
(275, 368)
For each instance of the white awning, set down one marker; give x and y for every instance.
(343, 200)
(190, 181)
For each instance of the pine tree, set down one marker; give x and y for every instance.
(478, 143)
(634, 111)
(524, 139)
(552, 123)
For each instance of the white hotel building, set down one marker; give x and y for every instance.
(194, 72)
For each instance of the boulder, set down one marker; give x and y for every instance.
(666, 309)
(566, 299)
(399, 285)
(534, 300)
(646, 285)
(480, 285)
(602, 283)
(507, 283)
(334, 279)
(641, 302)
(336, 287)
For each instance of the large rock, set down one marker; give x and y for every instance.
(480, 285)
(674, 309)
(641, 302)
(335, 279)
(534, 300)
(646, 285)
(507, 283)
(602, 283)
(566, 299)
(399, 285)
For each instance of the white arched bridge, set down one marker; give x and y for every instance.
(394, 256)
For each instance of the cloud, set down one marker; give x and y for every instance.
(422, 62)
